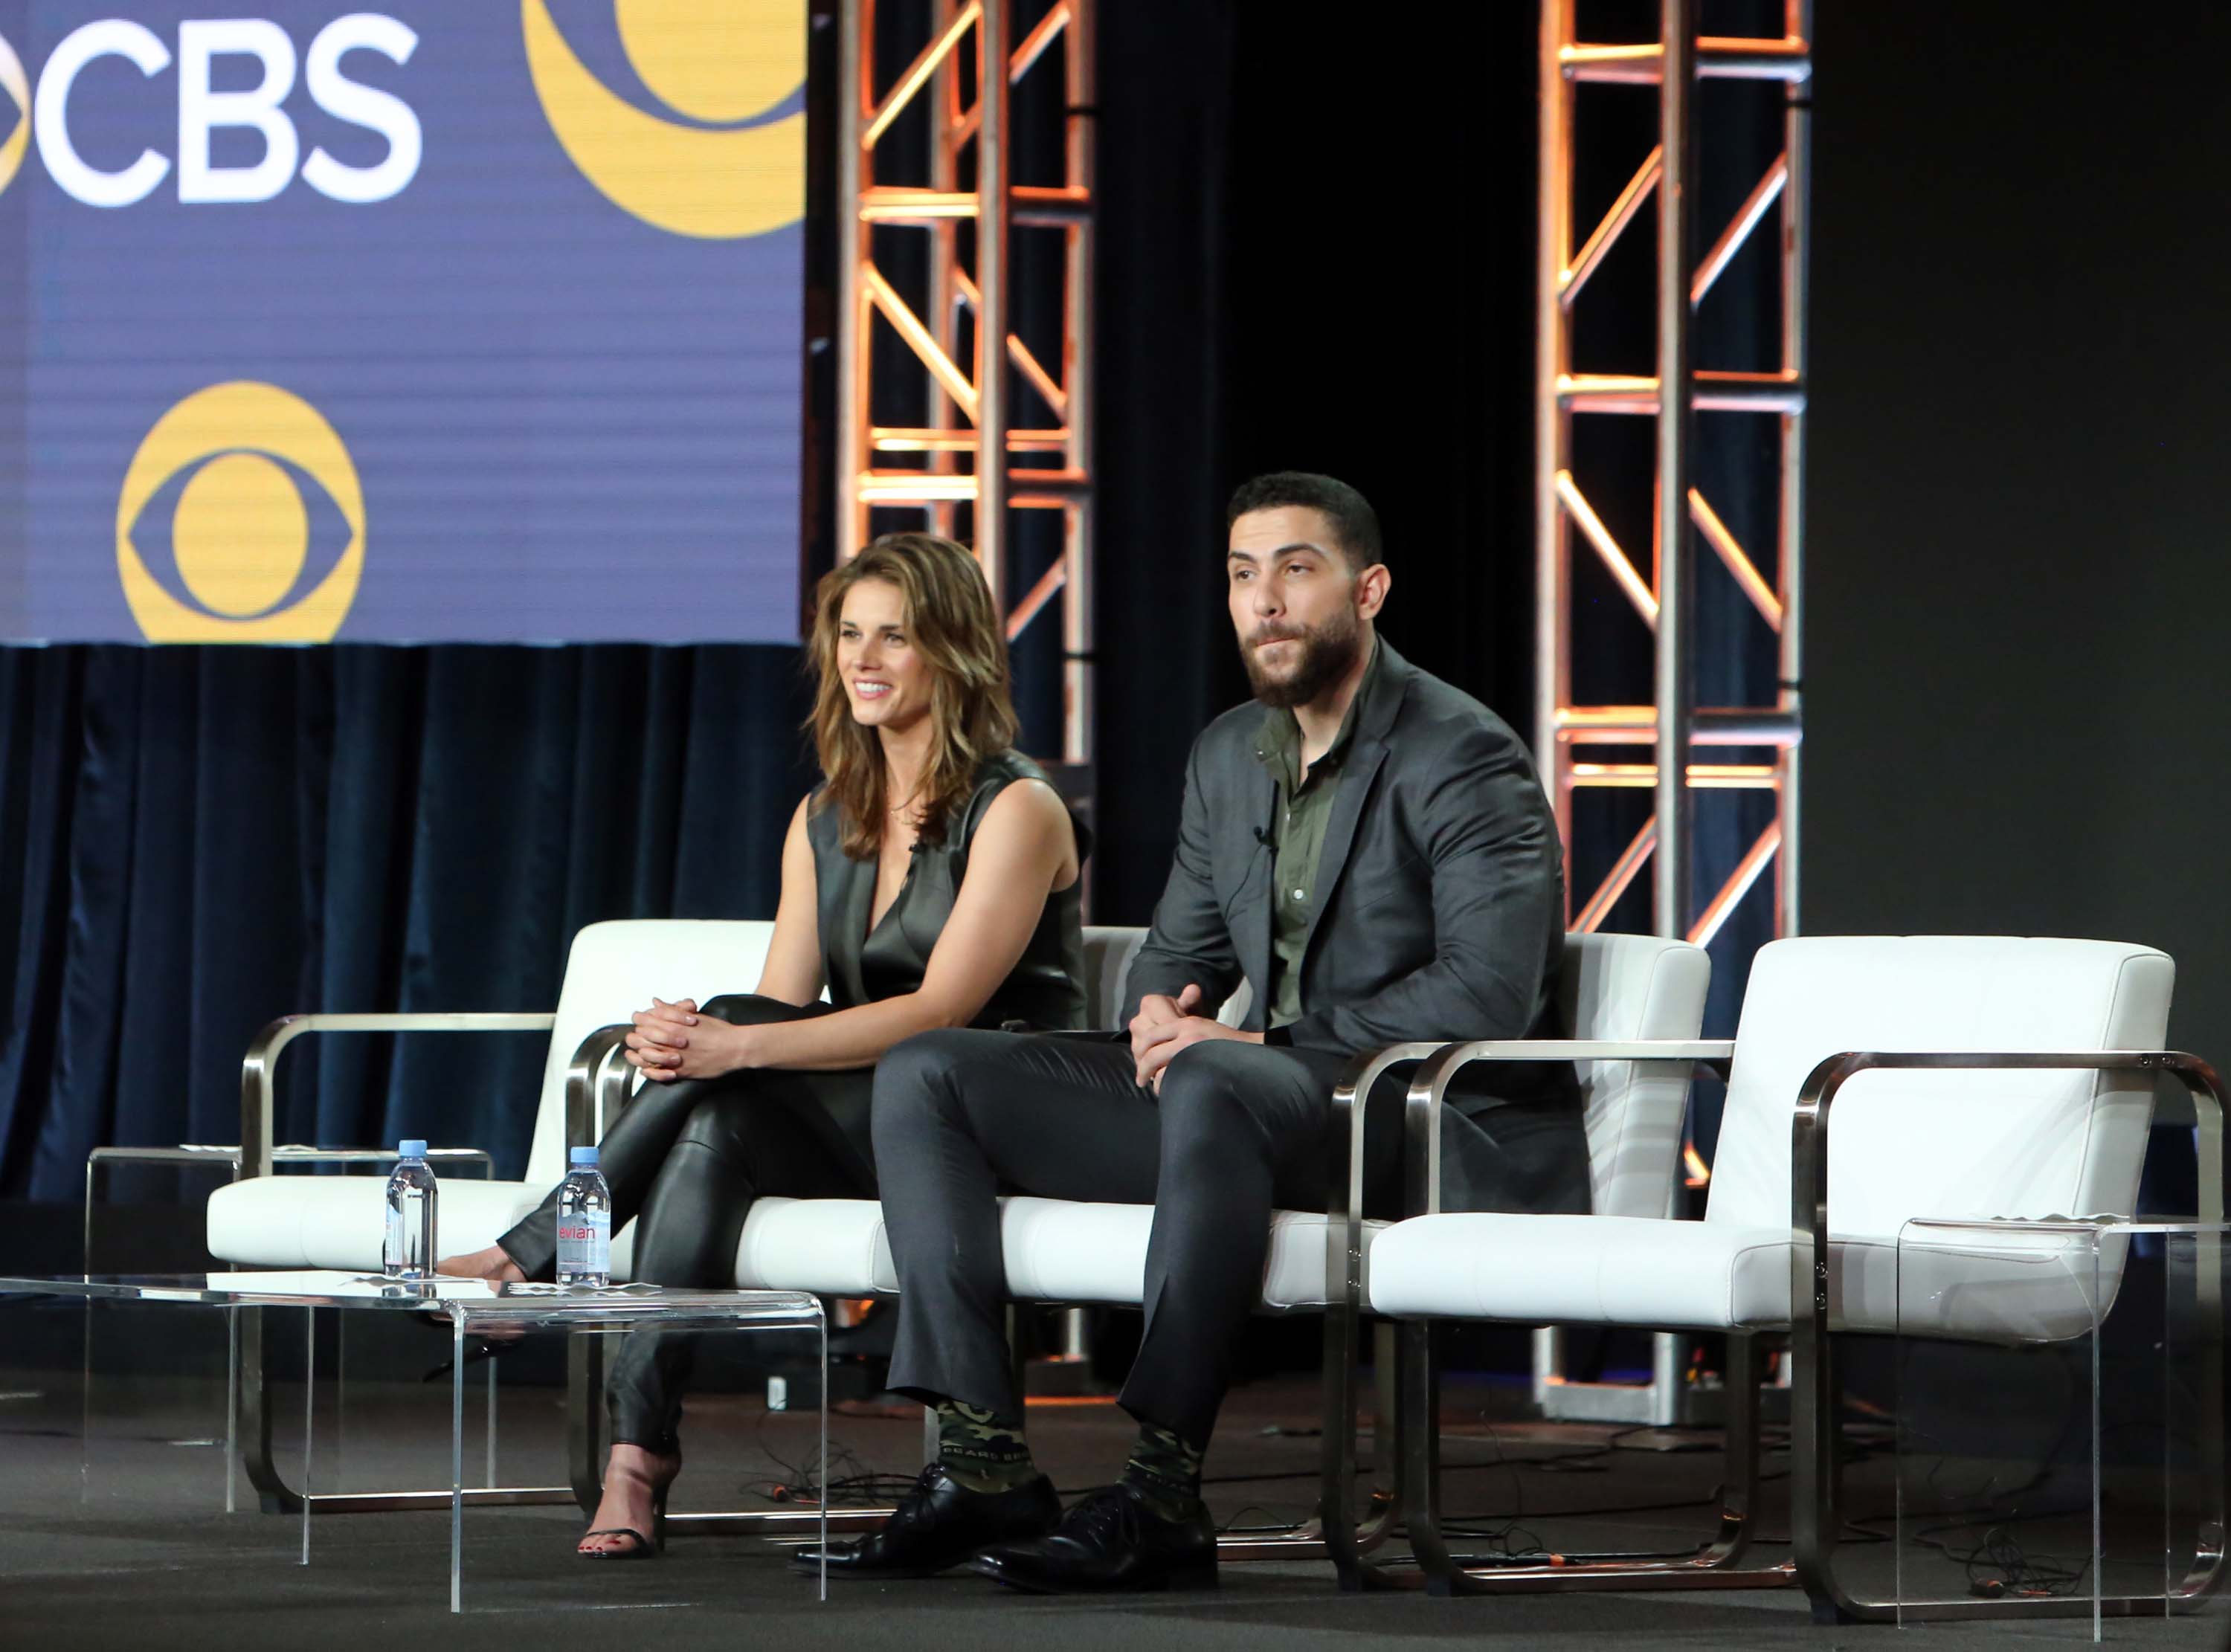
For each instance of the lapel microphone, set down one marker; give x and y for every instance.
(1264, 845)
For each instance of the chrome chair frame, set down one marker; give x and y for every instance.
(251, 1397)
(1815, 1499)
(1416, 1402)
(1816, 1513)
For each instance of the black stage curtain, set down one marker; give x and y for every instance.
(1316, 252)
(199, 839)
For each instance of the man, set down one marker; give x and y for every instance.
(1371, 851)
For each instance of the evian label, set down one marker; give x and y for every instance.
(585, 1243)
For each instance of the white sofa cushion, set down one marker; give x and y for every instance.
(1980, 1143)
(300, 1221)
(612, 970)
(1061, 1252)
(830, 1246)
(1054, 1251)
(1715, 1275)
(1626, 987)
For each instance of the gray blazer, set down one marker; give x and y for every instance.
(1437, 913)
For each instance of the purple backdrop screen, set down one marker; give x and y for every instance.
(447, 321)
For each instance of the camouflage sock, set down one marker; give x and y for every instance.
(1165, 1470)
(981, 1449)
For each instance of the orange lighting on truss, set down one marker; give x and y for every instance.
(1699, 1173)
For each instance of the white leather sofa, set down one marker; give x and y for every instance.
(1613, 987)
(833, 1247)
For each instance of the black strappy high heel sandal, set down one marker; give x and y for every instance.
(642, 1548)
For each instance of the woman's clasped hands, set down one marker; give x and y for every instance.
(672, 1041)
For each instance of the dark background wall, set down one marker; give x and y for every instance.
(2016, 679)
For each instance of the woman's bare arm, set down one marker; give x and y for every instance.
(793, 973)
(1024, 850)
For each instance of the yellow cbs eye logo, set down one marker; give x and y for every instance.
(241, 522)
(718, 64)
(18, 86)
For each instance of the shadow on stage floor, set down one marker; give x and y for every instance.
(118, 1537)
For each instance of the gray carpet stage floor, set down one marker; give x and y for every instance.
(114, 1535)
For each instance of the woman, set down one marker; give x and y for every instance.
(931, 880)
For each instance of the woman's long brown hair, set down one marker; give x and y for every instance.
(952, 623)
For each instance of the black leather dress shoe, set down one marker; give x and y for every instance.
(1113, 1539)
(937, 1525)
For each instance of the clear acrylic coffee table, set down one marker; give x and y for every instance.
(473, 1308)
(2053, 1453)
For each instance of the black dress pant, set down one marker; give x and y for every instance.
(685, 1160)
(1237, 1131)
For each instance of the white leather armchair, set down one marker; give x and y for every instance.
(2009, 1077)
(1635, 1003)
(265, 1221)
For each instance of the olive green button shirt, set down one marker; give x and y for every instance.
(1298, 830)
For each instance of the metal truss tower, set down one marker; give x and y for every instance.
(1007, 431)
(982, 450)
(1669, 740)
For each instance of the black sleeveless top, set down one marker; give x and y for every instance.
(1045, 990)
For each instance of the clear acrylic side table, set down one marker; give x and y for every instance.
(473, 1307)
(226, 1157)
(2059, 1414)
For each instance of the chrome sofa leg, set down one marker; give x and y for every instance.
(273, 1493)
(1347, 1536)
(1713, 1565)
(1739, 1495)
(1418, 1399)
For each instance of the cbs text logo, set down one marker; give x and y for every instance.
(42, 111)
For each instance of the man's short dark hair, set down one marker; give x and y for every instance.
(1355, 524)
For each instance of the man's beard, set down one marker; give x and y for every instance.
(1329, 651)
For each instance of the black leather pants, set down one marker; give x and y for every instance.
(685, 1160)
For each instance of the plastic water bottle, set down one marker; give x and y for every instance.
(410, 1197)
(584, 1223)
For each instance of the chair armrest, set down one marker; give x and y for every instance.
(1808, 1142)
(203, 1152)
(1351, 1099)
(1344, 1196)
(258, 1069)
(1812, 1446)
(1422, 1108)
(598, 1081)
